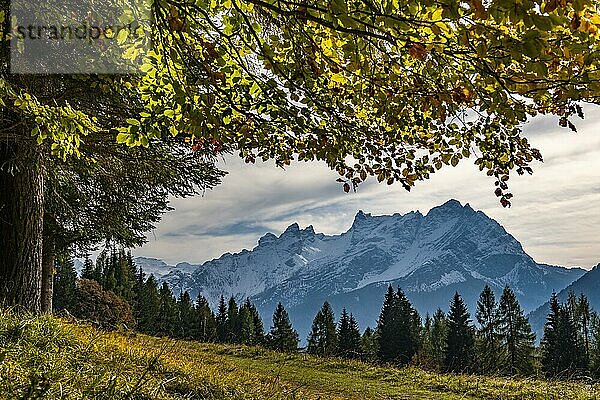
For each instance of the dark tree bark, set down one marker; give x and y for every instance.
(21, 224)
(48, 258)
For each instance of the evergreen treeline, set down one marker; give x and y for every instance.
(499, 342)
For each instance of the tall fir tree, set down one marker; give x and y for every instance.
(282, 337)
(488, 341)
(88, 269)
(434, 340)
(246, 334)
(348, 336)
(398, 329)
(232, 325)
(563, 354)
(322, 339)
(368, 345)
(251, 325)
(206, 324)
(551, 345)
(147, 305)
(460, 338)
(516, 336)
(65, 285)
(186, 324)
(167, 319)
(584, 314)
(595, 346)
(221, 320)
(257, 322)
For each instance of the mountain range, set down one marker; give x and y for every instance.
(430, 256)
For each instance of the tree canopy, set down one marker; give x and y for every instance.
(386, 89)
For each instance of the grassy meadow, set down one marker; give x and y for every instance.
(45, 357)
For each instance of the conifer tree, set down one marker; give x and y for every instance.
(368, 345)
(434, 340)
(221, 320)
(595, 347)
(488, 345)
(515, 335)
(88, 269)
(551, 346)
(186, 324)
(398, 329)
(246, 322)
(251, 326)
(563, 353)
(348, 336)
(206, 324)
(460, 338)
(259, 328)
(282, 337)
(232, 325)
(167, 320)
(65, 285)
(323, 339)
(581, 314)
(147, 305)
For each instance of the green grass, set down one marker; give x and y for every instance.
(44, 357)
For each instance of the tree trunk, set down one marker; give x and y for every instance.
(48, 257)
(21, 224)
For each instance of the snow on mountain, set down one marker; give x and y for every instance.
(452, 247)
(159, 268)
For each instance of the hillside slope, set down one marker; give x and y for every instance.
(47, 358)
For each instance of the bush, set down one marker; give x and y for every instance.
(100, 307)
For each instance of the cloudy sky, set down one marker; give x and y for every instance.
(555, 213)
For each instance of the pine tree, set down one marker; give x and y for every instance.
(398, 329)
(206, 324)
(88, 269)
(460, 339)
(65, 285)
(98, 273)
(232, 325)
(348, 336)
(251, 326)
(323, 339)
(259, 328)
(584, 315)
(246, 326)
(368, 345)
(488, 346)
(282, 337)
(595, 347)
(186, 324)
(515, 335)
(433, 341)
(563, 351)
(387, 327)
(221, 320)
(551, 346)
(148, 305)
(167, 312)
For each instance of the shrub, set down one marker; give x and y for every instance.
(100, 307)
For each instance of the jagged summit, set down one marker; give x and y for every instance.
(430, 256)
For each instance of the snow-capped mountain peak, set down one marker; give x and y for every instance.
(451, 247)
